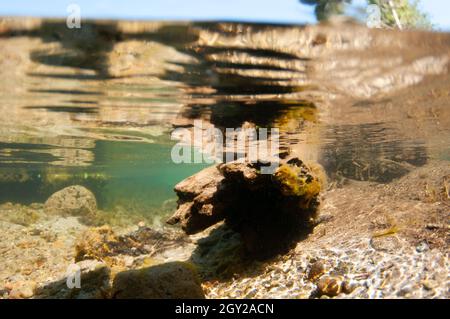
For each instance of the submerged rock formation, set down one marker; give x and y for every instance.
(174, 280)
(73, 201)
(270, 211)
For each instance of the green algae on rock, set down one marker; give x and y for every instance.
(295, 180)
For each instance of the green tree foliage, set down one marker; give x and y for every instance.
(327, 8)
(394, 13)
(408, 14)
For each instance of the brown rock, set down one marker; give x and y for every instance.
(22, 290)
(329, 286)
(348, 287)
(175, 280)
(196, 194)
(72, 201)
(317, 269)
(269, 211)
(390, 244)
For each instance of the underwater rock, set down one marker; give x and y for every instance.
(330, 286)
(21, 290)
(101, 243)
(73, 201)
(220, 254)
(316, 270)
(269, 211)
(390, 244)
(197, 207)
(94, 279)
(174, 280)
(94, 283)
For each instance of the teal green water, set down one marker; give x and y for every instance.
(143, 174)
(134, 177)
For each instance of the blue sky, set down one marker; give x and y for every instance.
(283, 11)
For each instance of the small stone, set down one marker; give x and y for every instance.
(317, 269)
(286, 267)
(27, 271)
(390, 244)
(40, 261)
(128, 261)
(35, 232)
(429, 284)
(348, 287)
(251, 293)
(329, 286)
(405, 291)
(267, 284)
(141, 224)
(22, 290)
(289, 283)
(9, 286)
(342, 268)
(432, 226)
(422, 246)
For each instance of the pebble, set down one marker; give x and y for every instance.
(348, 287)
(317, 269)
(22, 290)
(35, 232)
(128, 261)
(389, 244)
(429, 284)
(432, 226)
(141, 224)
(329, 286)
(405, 291)
(422, 246)
(286, 267)
(266, 284)
(250, 294)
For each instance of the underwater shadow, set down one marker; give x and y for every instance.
(222, 254)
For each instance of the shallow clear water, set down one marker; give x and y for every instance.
(95, 106)
(134, 176)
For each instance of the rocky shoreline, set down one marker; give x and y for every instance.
(368, 243)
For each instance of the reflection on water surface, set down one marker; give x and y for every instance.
(95, 106)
